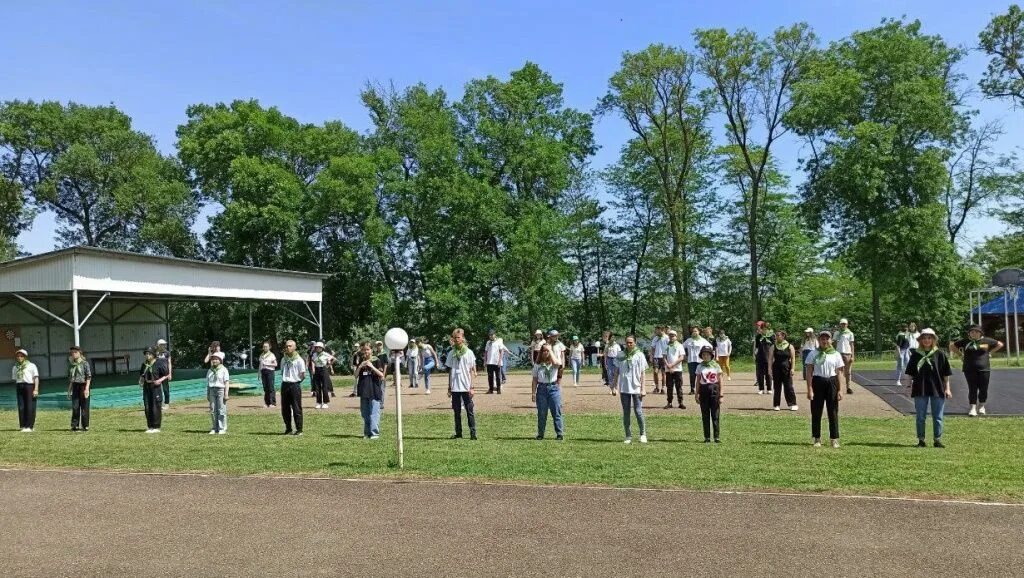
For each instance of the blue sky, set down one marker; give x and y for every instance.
(310, 59)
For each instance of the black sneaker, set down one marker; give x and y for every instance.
(85, 429)
(489, 391)
(287, 432)
(539, 437)
(499, 391)
(707, 440)
(682, 406)
(456, 436)
(921, 444)
(718, 441)
(560, 438)
(74, 429)
(939, 444)
(472, 436)
(849, 390)
(351, 395)
(298, 433)
(668, 406)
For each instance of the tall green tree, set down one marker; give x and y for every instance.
(1003, 41)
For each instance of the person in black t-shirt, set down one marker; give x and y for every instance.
(370, 386)
(930, 371)
(151, 378)
(976, 350)
(763, 344)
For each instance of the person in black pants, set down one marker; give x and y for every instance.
(163, 353)
(25, 375)
(268, 365)
(79, 380)
(461, 364)
(782, 359)
(822, 370)
(293, 372)
(151, 378)
(709, 393)
(976, 351)
(762, 349)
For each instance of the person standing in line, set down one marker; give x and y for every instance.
(535, 345)
(494, 358)
(218, 380)
(461, 364)
(845, 346)
(782, 360)
(976, 351)
(762, 350)
(658, 344)
(602, 346)
(929, 371)
(709, 393)
(268, 367)
(293, 372)
(79, 382)
(709, 336)
(429, 357)
(163, 353)
(151, 378)
(693, 345)
(902, 342)
(631, 368)
(822, 371)
(809, 344)
(320, 368)
(675, 357)
(546, 393)
(612, 351)
(723, 350)
(370, 385)
(557, 352)
(413, 362)
(25, 375)
(576, 359)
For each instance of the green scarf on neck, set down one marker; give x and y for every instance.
(782, 345)
(822, 353)
(460, 350)
(75, 368)
(22, 368)
(147, 368)
(974, 344)
(926, 357)
(712, 364)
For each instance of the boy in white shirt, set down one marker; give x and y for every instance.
(675, 357)
(268, 367)
(658, 345)
(293, 372)
(217, 382)
(462, 367)
(494, 358)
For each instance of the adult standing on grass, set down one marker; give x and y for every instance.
(844, 340)
(976, 351)
(902, 342)
(809, 344)
(675, 357)
(783, 362)
(461, 364)
(709, 393)
(546, 392)
(929, 371)
(321, 364)
(612, 351)
(413, 356)
(151, 378)
(218, 380)
(694, 344)
(293, 372)
(762, 351)
(494, 357)
(576, 359)
(429, 357)
(268, 367)
(723, 347)
(631, 369)
(79, 382)
(25, 375)
(370, 385)
(824, 364)
(659, 342)
(163, 353)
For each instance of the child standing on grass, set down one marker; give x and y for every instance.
(79, 380)
(217, 382)
(709, 392)
(546, 393)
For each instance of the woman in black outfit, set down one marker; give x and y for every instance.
(782, 359)
(976, 351)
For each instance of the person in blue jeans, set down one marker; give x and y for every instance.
(575, 353)
(370, 388)
(547, 394)
(631, 367)
(929, 370)
(429, 360)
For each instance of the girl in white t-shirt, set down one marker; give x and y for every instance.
(217, 382)
(723, 350)
(575, 359)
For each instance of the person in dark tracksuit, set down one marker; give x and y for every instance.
(976, 351)
(782, 359)
(822, 369)
(25, 375)
(709, 393)
(929, 371)
(268, 367)
(321, 366)
(293, 372)
(152, 376)
(163, 353)
(762, 349)
(79, 382)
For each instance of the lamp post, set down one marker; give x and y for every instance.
(395, 340)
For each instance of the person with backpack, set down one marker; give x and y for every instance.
(782, 360)
(79, 382)
(977, 352)
(929, 370)
(709, 393)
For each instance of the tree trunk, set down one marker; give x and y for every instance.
(755, 282)
(602, 315)
(678, 283)
(876, 314)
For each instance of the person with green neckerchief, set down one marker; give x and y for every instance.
(782, 360)
(845, 345)
(151, 377)
(26, 383)
(976, 351)
(79, 380)
(821, 371)
(929, 370)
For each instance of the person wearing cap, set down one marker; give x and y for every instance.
(370, 374)
(79, 382)
(929, 370)
(821, 371)
(320, 363)
(675, 357)
(976, 350)
(723, 350)
(557, 352)
(659, 342)
(25, 375)
(494, 357)
(709, 393)
(612, 351)
(763, 344)
(782, 360)
(844, 340)
(461, 364)
(412, 356)
(693, 346)
(809, 344)
(151, 378)
(535, 345)
(576, 359)
(293, 372)
(268, 367)
(631, 369)
(163, 353)
(546, 392)
(218, 380)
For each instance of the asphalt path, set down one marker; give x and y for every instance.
(108, 524)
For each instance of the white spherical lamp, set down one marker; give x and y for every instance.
(396, 339)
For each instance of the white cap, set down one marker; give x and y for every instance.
(553, 333)
(843, 320)
(809, 330)
(927, 331)
(218, 354)
(161, 342)
(22, 352)
(538, 332)
(318, 344)
(672, 332)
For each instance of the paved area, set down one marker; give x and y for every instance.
(104, 524)
(590, 397)
(1005, 394)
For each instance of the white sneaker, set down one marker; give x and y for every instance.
(223, 431)
(981, 410)
(776, 408)
(974, 411)
(628, 441)
(760, 392)
(835, 443)
(374, 437)
(167, 406)
(817, 443)
(643, 439)
(427, 392)
(150, 430)
(157, 430)
(326, 406)
(728, 378)
(25, 430)
(213, 432)
(319, 406)
(794, 407)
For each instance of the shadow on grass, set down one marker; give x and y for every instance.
(344, 436)
(778, 443)
(755, 409)
(880, 445)
(448, 437)
(267, 433)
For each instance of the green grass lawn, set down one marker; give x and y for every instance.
(983, 460)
